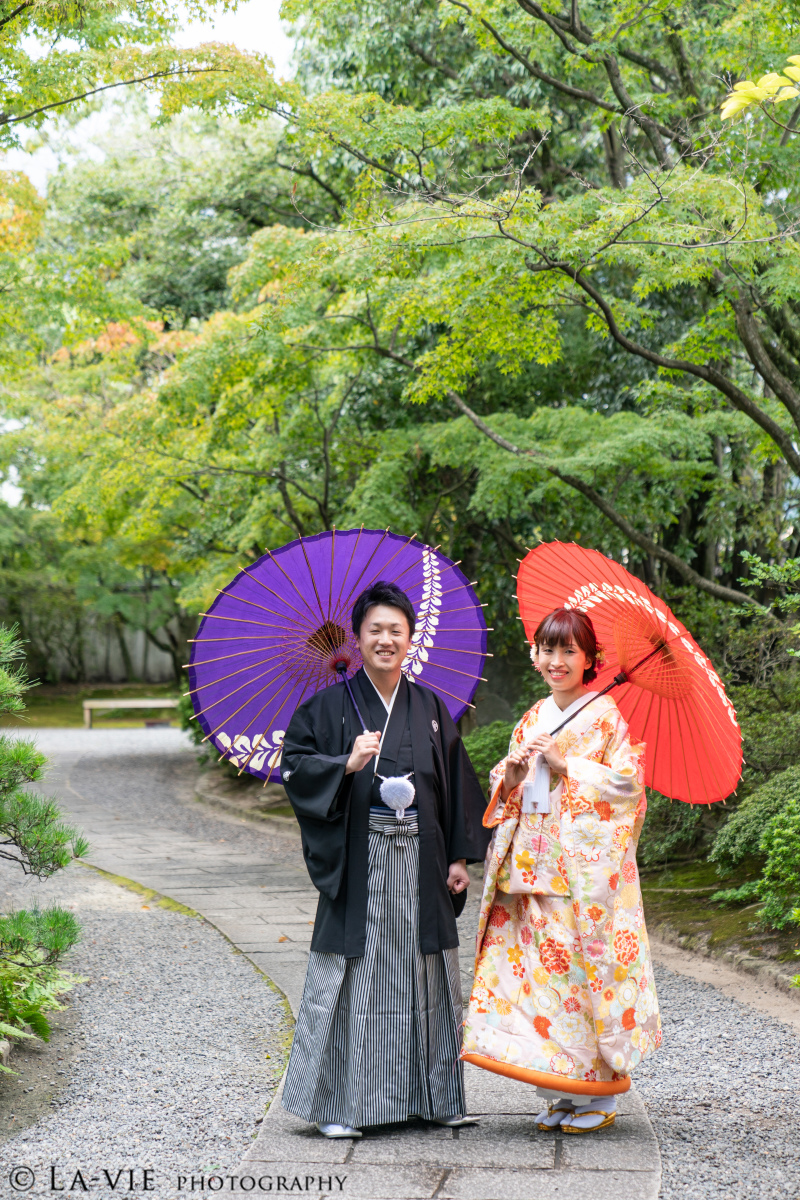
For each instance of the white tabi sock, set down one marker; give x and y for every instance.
(606, 1104)
(561, 1108)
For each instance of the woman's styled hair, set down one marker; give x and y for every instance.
(565, 625)
(382, 592)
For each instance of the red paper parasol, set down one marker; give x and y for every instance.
(666, 689)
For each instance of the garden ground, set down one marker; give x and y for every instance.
(720, 1096)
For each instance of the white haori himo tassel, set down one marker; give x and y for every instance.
(536, 788)
(397, 792)
(536, 791)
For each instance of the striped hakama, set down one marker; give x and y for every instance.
(378, 1037)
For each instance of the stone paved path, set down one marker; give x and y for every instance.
(131, 792)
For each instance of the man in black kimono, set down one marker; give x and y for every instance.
(379, 1030)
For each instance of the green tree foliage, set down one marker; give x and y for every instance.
(668, 244)
(32, 832)
(671, 831)
(765, 828)
(168, 211)
(490, 273)
(60, 54)
(33, 835)
(573, 176)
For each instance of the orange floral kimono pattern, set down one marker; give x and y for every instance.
(563, 977)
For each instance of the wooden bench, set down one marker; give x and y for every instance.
(89, 705)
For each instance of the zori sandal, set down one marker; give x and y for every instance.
(543, 1119)
(592, 1112)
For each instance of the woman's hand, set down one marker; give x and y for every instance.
(365, 747)
(457, 876)
(516, 770)
(548, 748)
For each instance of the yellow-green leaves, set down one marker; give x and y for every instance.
(770, 89)
(21, 209)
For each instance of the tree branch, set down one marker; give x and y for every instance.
(16, 12)
(750, 337)
(542, 76)
(781, 321)
(641, 540)
(430, 61)
(634, 535)
(308, 172)
(287, 502)
(739, 399)
(364, 158)
(791, 127)
(5, 119)
(676, 45)
(648, 126)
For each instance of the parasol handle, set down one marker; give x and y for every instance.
(341, 669)
(615, 682)
(623, 677)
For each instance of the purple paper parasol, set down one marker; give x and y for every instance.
(281, 629)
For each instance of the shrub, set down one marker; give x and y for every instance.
(780, 882)
(671, 830)
(207, 753)
(487, 745)
(740, 837)
(27, 992)
(748, 893)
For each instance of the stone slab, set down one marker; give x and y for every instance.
(490, 1093)
(628, 1145)
(495, 1142)
(290, 1147)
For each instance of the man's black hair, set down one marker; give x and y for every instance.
(382, 592)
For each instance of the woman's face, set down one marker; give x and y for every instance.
(562, 666)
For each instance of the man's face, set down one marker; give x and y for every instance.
(384, 638)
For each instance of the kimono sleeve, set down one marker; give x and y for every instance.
(496, 812)
(467, 838)
(315, 782)
(615, 782)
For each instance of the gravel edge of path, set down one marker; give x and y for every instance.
(163, 901)
(739, 960)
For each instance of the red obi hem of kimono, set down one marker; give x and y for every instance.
(557, 1083)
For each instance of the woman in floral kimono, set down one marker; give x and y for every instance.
(564, 996)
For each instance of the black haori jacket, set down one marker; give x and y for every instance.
(332, 810)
